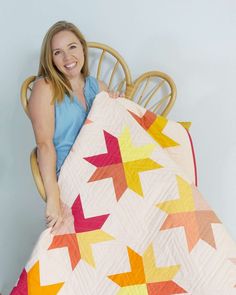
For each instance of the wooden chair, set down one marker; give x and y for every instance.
(153, 90)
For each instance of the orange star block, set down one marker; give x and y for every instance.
(164, 288)
(136, 276)
(146, 120)
(197, 225)
(70, 241)
(116, 171)
(145, 275)
(155, 125)
(34, 287)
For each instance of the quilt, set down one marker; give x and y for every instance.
(134, 220)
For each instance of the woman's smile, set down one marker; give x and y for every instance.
(70, 66)
(67, 54)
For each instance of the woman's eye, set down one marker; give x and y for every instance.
(56, 52)
(72, 46)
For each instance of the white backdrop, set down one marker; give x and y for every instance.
(193, 41)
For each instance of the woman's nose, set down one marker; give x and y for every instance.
(65, 55)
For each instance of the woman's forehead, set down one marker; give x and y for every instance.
(63, 38)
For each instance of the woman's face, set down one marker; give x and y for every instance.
(67, 54)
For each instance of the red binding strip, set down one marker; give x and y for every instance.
(194, 158)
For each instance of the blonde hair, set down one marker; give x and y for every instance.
(60, 84)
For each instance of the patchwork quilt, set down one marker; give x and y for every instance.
(134, 220)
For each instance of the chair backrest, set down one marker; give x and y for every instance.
(153, 90)
(106, 64)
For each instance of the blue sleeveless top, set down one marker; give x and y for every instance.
(69, 118)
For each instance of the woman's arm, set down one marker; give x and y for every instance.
(42, 118)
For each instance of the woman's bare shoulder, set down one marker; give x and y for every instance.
(42, 86)
(40, 101)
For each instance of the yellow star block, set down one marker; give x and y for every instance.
(154, 273)
(34, 287)
(158, 125)
(132, 170)
(185, 203)
(129, 152)
(86, 239)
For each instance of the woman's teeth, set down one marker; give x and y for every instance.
(70, 66)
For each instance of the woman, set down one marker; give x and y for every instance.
(60, 101)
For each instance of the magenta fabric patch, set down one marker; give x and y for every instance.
(21, 288)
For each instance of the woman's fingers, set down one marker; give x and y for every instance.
(114, 94)
(53, 213)
(48, 220)
(56, 225)
(51, 222)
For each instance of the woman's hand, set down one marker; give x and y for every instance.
(115, 94)
(112, 94)
(53, 213)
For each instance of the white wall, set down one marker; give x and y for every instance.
(193, 41)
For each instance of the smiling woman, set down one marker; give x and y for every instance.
(59, 104)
